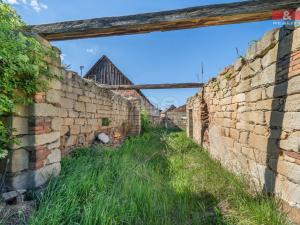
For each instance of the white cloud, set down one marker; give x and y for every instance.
(91, 51)
(36, 5)
(12, 2)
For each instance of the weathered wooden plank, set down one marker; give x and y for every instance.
(152, 86)
(210, 15)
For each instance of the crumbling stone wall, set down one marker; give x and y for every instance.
(84, 107)
(152, 111)
(248, 117)
(69, 114)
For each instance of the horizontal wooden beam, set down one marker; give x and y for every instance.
(152, 86)
(210, 15)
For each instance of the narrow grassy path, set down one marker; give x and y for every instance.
(158, 178)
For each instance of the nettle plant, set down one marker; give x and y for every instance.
(23, 69)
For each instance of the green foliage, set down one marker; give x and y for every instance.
(146, 122)
(22, 62)
(106, 122)
(143, 182)
(228, 75)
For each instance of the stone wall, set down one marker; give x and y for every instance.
(177, 117)
(152, 111)
(68, 115)
(85, 106)
(248, 117)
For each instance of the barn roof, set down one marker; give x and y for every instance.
(104, 71)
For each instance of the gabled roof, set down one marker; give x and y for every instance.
(104, 71)
(107, 72)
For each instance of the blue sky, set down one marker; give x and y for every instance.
(159, 57)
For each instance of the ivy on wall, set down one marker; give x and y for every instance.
(23, 69)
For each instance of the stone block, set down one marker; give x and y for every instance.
(67, 103)
(80, 106)
(287, 88)
(239, 98)
(84, 99)
(254, 95)
(267, 76)
(22, 110)
(54, 156)
(247, 72)
(73, 114)
(270, 57)
(78, 91)
(244, 86)
(287, 169)
(24, 141)
(33, 178)
(91, 108)
(56, 124)
(270, 104)
(64, 130)
(291, 143)
(228, 142)
(71, 141)
(44, 110)
(292, 103)
(53, 96)
(263, 143)
(71, 96)
(244, 137)
(74, 129)
(288, 120)
(267, 42)
(234, 133)
(68, 121)
(261, 130)
(287, 190)
(80, 121)
(20, 124)
(256, 117)
(296, 38)
(54, 145)
(63, 113)
(19, 160)
(55, 84)
(46, 138)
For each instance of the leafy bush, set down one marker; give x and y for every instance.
(146, 122)
(22, 61)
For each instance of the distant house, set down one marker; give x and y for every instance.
(105, 72)
(164, 112)
(175, 117)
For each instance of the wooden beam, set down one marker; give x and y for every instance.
(151, 86)
(210, 15)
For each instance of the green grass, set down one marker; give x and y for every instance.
(157, 178)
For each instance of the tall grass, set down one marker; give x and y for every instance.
(151, 180)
